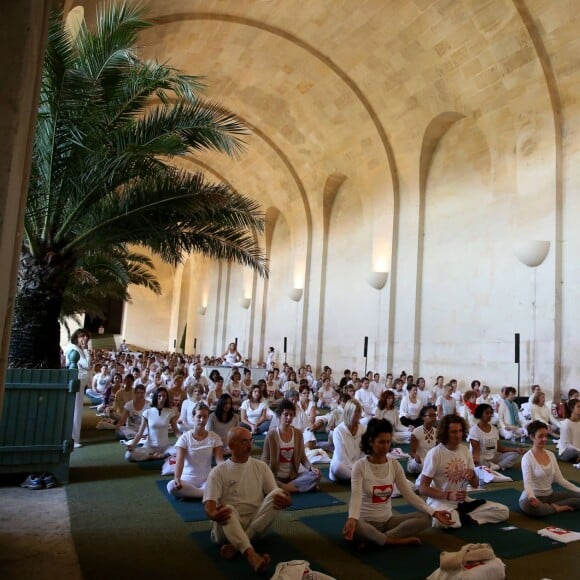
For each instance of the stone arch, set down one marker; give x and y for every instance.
(434, 132)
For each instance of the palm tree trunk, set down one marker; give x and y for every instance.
(35, 338)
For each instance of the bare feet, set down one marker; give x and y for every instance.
(257, 562)
(227, 551)
(391, 540)
(562, 508)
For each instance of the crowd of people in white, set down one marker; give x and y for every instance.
(148, 396)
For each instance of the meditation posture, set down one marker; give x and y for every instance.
(254, 412)
(540, 469)
(346, 439)
(242, 499)
(484, 440)
(541, 412)
(130, 420)
(232, 358)
(157, 420)
(447, 470)
(195, 451)
(422, 439)
(285, 454)
(509, 422)
(410, 409)
(223, 419)
(370, 517)
(569, 444)
(387, 409)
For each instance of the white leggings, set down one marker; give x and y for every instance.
(188, 489)
(399, 526)
(147, 453)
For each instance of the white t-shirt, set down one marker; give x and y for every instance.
(569, 435)
(158, 425)
(242, 485)
(538, 478)
(372, 487)
(253, 415)
(446, 467)
(426, 440)
(134, 416)
(198, 456)
(487, 441)
(285, 458)
(368, 401)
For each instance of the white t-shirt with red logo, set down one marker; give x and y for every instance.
(286, 457)
(371, 489)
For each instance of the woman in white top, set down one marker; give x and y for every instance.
(232, 358)
(78, 356)
(130, 420)
(254, 412)
(410, 408)
(569, 443)
(195, 451)
(540, 469)
(541, 412)
(484, 441)
(446, 404)
(423, 439)
(223, 419)
(194, 396)
(346, 439)
(157, 421)
(386, 409)
(370, 516)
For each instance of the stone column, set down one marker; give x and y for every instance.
(23, 29)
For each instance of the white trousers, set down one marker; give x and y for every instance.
(239, 532)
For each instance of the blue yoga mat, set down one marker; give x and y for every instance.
(188, 510)
(279, 549)
(313, 499)
(191, 510)
(394, 562)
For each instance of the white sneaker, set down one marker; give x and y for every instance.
(77, 445)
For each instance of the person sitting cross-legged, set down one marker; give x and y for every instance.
(242, 499)
(540, 470)
(284, 452)
(447, 470)
(370, 517)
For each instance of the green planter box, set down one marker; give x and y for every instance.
(36, 422)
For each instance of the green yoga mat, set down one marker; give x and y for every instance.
(191, 510)
(506, 544)
(395, 562)
(279, 549)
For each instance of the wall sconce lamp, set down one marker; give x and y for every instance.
(245, 303)
(295, 294)
(378, 279)
(532, 252)
(202, 310)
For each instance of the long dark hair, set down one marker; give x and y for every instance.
(219, 409)
(155, 398)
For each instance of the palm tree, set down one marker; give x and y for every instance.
(101, 182)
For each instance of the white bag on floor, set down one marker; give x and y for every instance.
(488, 475)
(472, 562)
(297, 570)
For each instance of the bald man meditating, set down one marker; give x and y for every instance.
(242, 499)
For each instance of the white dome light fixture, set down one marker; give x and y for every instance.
(532, 253)
(378, 279)
(295, 294)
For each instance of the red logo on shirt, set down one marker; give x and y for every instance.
(382, 493)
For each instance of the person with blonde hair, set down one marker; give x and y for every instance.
(346, 439)
(195, 451)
